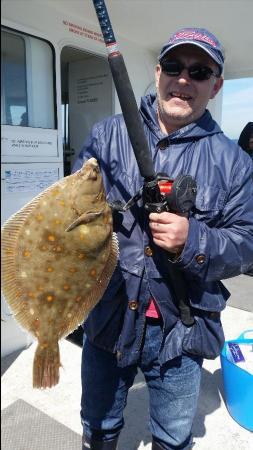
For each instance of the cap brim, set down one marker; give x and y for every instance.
(197, 44)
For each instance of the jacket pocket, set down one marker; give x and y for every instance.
(206, 337)
(208, 296)
(209, 203)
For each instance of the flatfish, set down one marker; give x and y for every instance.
(58, 255)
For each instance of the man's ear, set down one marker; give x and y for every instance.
(158, 71)
(217, 86)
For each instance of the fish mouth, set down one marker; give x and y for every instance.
(92, 163)
(91, 169)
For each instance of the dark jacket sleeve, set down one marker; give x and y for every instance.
(226, 251)
(89, 150)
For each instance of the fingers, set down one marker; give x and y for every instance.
(169, 230)
(162, 222)
(158, 227)
(164, 217)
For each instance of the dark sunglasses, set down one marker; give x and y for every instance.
(196, 72)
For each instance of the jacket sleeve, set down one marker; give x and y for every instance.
(212, 254)
(89, 150)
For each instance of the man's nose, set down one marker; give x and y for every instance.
(184, 77)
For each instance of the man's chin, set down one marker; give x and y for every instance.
(180, 117)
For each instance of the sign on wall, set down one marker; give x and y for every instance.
(90, 98)
(29, 180)
(21, 182)
(26, 141)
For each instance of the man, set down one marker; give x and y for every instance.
(137, 323)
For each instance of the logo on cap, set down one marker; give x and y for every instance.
(192, 35)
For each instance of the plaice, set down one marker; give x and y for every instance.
(58, 255)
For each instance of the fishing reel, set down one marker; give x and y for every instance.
(164, 194)
(177, 196)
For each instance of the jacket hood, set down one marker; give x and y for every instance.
(204, 126)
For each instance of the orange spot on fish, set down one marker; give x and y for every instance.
(72, 269)
(55, 192)
(50, 269)
(51, 238)
(50, 298)
(66, 287)
(57, 221)
(93, 272)
(57, 249)
(26, 253)
(44, 345)
(31, 295)
(39, 217)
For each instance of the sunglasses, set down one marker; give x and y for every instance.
(196, 72)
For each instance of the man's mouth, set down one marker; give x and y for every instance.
(181, 96)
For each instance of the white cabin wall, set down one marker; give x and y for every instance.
(140, 62)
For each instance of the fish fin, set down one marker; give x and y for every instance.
(97, 291)
(10, 283)
(46, 365)
(84, 218)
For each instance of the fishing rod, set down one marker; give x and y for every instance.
(159, 192)
(125, 94)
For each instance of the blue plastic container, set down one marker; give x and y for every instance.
(238, 386)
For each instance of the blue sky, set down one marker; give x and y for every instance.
(237, 109)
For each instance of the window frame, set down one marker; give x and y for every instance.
(23, 35)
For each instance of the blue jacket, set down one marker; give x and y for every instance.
(219, 243)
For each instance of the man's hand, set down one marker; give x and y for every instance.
(169, 230)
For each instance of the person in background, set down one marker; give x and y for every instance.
(137, 323)
(246, 139)
(246, 143)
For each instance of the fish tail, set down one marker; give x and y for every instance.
(46, 365)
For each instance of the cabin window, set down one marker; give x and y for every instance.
(27, 81)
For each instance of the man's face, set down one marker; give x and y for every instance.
(182, 100)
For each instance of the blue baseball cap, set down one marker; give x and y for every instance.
(201, 38)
